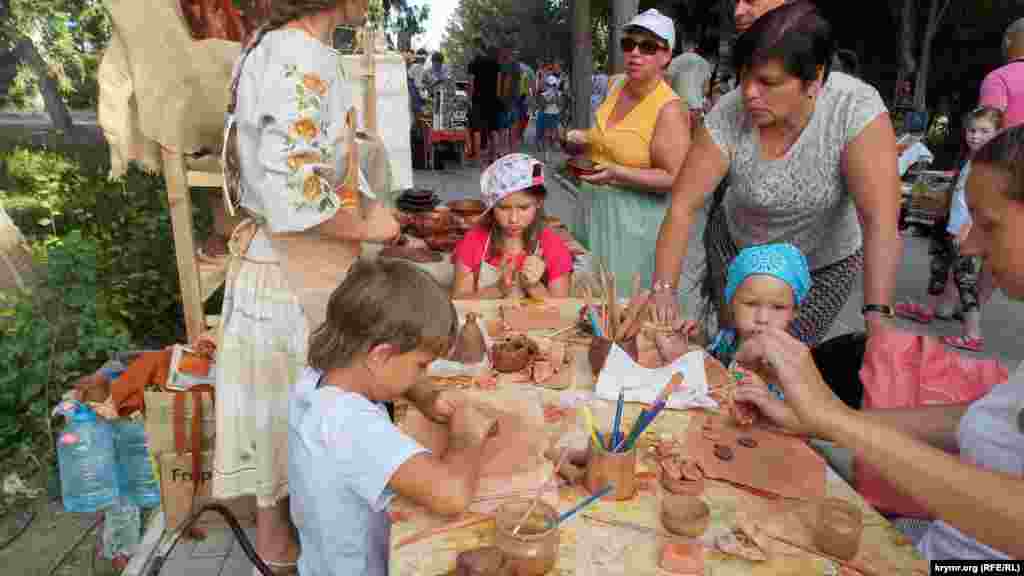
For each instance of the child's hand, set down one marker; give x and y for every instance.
(532, 270)
(576, 136)
(468, 426)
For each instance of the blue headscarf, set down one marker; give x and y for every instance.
(783, 261)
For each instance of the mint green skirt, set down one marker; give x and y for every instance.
(619, 226)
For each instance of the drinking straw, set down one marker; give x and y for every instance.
(618, 417)
(586, 502)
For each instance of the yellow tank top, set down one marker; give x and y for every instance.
(628, 143)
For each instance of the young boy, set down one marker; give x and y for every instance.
(385, 324)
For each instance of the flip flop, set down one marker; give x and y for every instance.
(914, 311)
(965, 343)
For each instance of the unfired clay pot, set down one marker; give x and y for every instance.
(685, 515)
(513, 354)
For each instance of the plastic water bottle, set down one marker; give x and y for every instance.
(85, 457)
(137, 485)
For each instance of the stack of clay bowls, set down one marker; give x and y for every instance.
(466, 213)
(417, 200)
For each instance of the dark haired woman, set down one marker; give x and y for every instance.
(806, 152)
(285, 131)
(963, 463)
(640, 136)
(512, 252)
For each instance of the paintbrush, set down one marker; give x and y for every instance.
(586, 502)
(618, 418)
(536, 500)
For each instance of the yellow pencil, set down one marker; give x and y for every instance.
(590, 425)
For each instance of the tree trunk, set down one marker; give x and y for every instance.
(582, 63)
(55, 106)
(908, 24)
(921, 82)
(622, 12)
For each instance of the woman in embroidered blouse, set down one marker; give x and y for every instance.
(283, 159)
(639, 140)
(805, 158)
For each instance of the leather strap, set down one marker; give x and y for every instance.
(196, 426)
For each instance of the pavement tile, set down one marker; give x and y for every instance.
(218, 542)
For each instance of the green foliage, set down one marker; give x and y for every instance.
(540, 30)
(53, 335)
(70, 35)
(128, 220)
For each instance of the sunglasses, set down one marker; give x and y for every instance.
(647, 47)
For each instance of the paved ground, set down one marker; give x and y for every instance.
(220, 554)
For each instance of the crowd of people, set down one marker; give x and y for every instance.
(799, 166)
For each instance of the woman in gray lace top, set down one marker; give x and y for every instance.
(809, 162)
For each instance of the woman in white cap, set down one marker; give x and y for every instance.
(512, 252)
(639, 140)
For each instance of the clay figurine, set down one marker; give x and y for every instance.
(685, 515)
(470, 346)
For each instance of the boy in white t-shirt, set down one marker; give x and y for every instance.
(385, 324)
(548, 115)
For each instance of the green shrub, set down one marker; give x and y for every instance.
(53, 335)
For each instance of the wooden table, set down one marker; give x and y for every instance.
(623, 537)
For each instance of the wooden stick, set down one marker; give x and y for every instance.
(536, 500)
(471, 520)
(856, 566)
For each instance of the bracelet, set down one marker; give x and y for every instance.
(664, 286)
(881, 309)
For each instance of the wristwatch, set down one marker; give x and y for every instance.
(883, 309)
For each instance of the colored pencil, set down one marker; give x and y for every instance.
(586, 502)
(618, 418)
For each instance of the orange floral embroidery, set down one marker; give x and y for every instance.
(314, 83)
(304, 128)
(311, 187)
(296, 160)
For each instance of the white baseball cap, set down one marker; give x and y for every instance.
(656, 23)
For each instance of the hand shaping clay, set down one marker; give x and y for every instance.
(840, 524)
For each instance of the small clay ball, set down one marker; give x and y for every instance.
(747, 442)
(723, 452)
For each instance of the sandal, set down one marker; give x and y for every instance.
(965, 343)
(915, 312)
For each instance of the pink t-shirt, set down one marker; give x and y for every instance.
(1003, 88)
(470, 253)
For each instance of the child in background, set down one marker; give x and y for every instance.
(346, 460)
(512, 252)
(981, 125)
(548, 115)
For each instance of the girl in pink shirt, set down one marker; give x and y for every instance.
(512, 253)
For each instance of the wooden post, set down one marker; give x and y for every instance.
(180, 204)
(370, 65)
(582, 63)
(622, 12)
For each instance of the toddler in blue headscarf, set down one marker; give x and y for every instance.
(764, 286)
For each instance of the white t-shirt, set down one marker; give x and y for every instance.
(342, 451)
(990, 436)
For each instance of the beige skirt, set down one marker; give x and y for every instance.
(261, 355)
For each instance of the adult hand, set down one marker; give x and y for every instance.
(666, 307)
(381, 224)
(604, 174)
(532, 270)
(576, 137)
(677, 343)
(875, 323)
(788, 362)
(468, 426)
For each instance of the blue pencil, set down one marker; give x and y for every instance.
(618, 418)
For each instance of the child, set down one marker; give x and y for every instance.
(512, 252)
(764, 286)
(346, 460)
(981, 125)
(548, 115)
